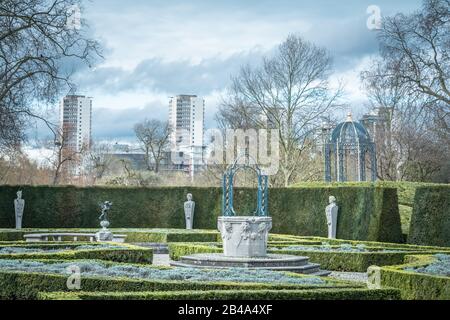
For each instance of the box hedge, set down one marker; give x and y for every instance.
(26, 285)
(430, 221)
(133, 235)
(316, 294)
(334, 261)
(367, 212)
(413, 285)
(126, 253)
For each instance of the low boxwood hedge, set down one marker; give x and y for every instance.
(328, 260)
(316, 294)
(26, 285)
(133, 235)
(374, 244)
(414, 285)
(177, 250)
(118, 253)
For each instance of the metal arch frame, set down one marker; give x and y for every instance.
(262, 201)
(339, 150)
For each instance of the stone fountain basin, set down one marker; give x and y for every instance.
(244, 236)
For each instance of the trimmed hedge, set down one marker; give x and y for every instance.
(133, 235)
(318, 294)
(127, 253)
(430, 221)
(375, 244)
(367, 212)
(413, 285)
(335, 261)
(22, 285)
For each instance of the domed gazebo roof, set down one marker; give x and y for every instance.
(346, 151)
(350, 133)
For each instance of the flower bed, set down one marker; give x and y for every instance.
(420, 278)
(440, 266)
(351, 256)
(77, 250)
(23, 279)
(133, 234)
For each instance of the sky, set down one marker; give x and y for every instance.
(154, 49)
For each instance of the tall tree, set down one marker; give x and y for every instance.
(154, 137)
(290, 90)
(415, 53)
(410, 82)
(40, 41)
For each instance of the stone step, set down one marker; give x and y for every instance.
(309, 269)
(218, 260)
(158, 247)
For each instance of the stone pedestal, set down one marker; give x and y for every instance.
(244, 236)
(104, 234)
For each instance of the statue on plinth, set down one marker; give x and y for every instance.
(189, 207)
(19, 205)
(104, 234)
(332, 215)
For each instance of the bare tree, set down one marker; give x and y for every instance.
(291, 91)
(154, 136)
(415, 53)
(100, 161)
(39, 48)
(410, 82)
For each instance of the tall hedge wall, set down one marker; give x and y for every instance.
(430, 221)
(366, 212)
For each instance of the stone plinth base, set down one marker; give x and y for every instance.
(244, 236)
(104, 235)
(274, 262)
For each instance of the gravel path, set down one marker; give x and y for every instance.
(161, 259)
(349, 276)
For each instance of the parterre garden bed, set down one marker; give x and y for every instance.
(133, 235)
(333, 255)
(421, 277)
(30, 279)
(76, 250)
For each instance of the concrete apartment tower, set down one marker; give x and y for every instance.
(76, 121)
(187, 121)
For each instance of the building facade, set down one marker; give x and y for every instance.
(76, 122)
(187, 123)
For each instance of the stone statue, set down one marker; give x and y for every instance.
(104, 234)
(105, 206)
(19, 205)
(189, 207)
(332, 215)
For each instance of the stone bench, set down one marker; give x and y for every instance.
(43, 237)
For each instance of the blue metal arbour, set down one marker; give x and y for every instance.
(349, 136)
(228, 185)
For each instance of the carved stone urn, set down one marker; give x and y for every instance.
(245, 236)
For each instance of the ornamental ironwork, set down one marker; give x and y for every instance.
(228, 188)
(350, 148)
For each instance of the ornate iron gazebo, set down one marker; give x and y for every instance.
(228, 185)
(349, 149)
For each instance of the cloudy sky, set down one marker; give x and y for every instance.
(155, 49)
